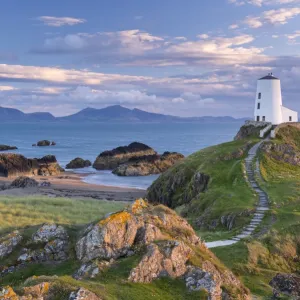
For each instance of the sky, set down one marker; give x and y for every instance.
(186, 58)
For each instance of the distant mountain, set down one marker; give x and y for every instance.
(15, 115)
(115, 113)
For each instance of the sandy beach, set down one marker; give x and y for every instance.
(70, 185)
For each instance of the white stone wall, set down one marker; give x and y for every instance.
(287, 113)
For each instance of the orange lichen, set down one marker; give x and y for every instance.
(8, 293)
(120, 217)
(37, 290)
(138, 206)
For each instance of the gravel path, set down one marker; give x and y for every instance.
(261, 208)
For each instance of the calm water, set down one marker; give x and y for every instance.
(87, 140)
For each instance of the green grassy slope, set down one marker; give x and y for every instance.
(227, 191)
(276, 248)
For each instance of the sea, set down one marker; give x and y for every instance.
(88, 140)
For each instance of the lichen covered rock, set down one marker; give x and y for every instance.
(9, 242)
(83, 294)
(78, 163)
(43, 143)
(168, 258)
(7, 293)
(49, 232)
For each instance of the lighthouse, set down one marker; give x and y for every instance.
(268, 102)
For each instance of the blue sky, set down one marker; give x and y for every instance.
(188, 58)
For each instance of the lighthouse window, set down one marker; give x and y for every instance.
(291, 119)
(258, 105)
(259, 95)
(264, 118)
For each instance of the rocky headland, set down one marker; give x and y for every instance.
(17, 165)
(158, 243)
(78, 163)
(7, 148)
(147, 165)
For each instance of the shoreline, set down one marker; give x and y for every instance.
(70, 185)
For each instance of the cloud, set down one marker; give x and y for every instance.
(139, 48)
(263, 2)
(5, 88)
(292, 37)
(272, 17)
(60, 21)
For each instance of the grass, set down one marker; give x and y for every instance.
(28, 211)
(258, 260)
(228, 191)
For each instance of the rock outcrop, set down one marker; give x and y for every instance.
(78, 163)
(286, 285)
(171, 245)
(24, 182)
(250, 130)
(7, 148)
(163, 190)
(147, 165)
(83, 294)
(9, 242)
(44, 143)
(109, 160)
(18, 165)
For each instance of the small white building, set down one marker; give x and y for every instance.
(268, 103)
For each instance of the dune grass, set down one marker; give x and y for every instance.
(34, 210)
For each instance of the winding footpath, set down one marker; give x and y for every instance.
(263, 204)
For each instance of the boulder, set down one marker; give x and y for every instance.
(147, 165)
(78, 163)
(53, 143)
(18, 165)
(9, 242)
(111, 159)
(168, 258)
(197, 280)
(286, 285)
(83, 294)
(110, 238)
(24, 182)
(43, 143)
(49, 232)
(6, 148)
(45, 184)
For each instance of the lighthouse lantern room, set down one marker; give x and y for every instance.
(268, 103)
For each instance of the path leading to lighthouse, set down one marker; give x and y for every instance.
(263, 204)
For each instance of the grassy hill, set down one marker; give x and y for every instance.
(274, 248)
(225, 194)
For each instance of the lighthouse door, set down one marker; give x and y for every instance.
(257, 118)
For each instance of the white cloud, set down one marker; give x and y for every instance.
(234, 26)
(292, 37)
(5, 88)
(203, 36)
(273, 17)
(60, 21)
(263, 2)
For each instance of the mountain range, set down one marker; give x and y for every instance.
(115, 113)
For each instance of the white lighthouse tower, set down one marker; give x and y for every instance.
(268, 103)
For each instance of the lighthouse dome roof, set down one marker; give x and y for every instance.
(269, 77)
